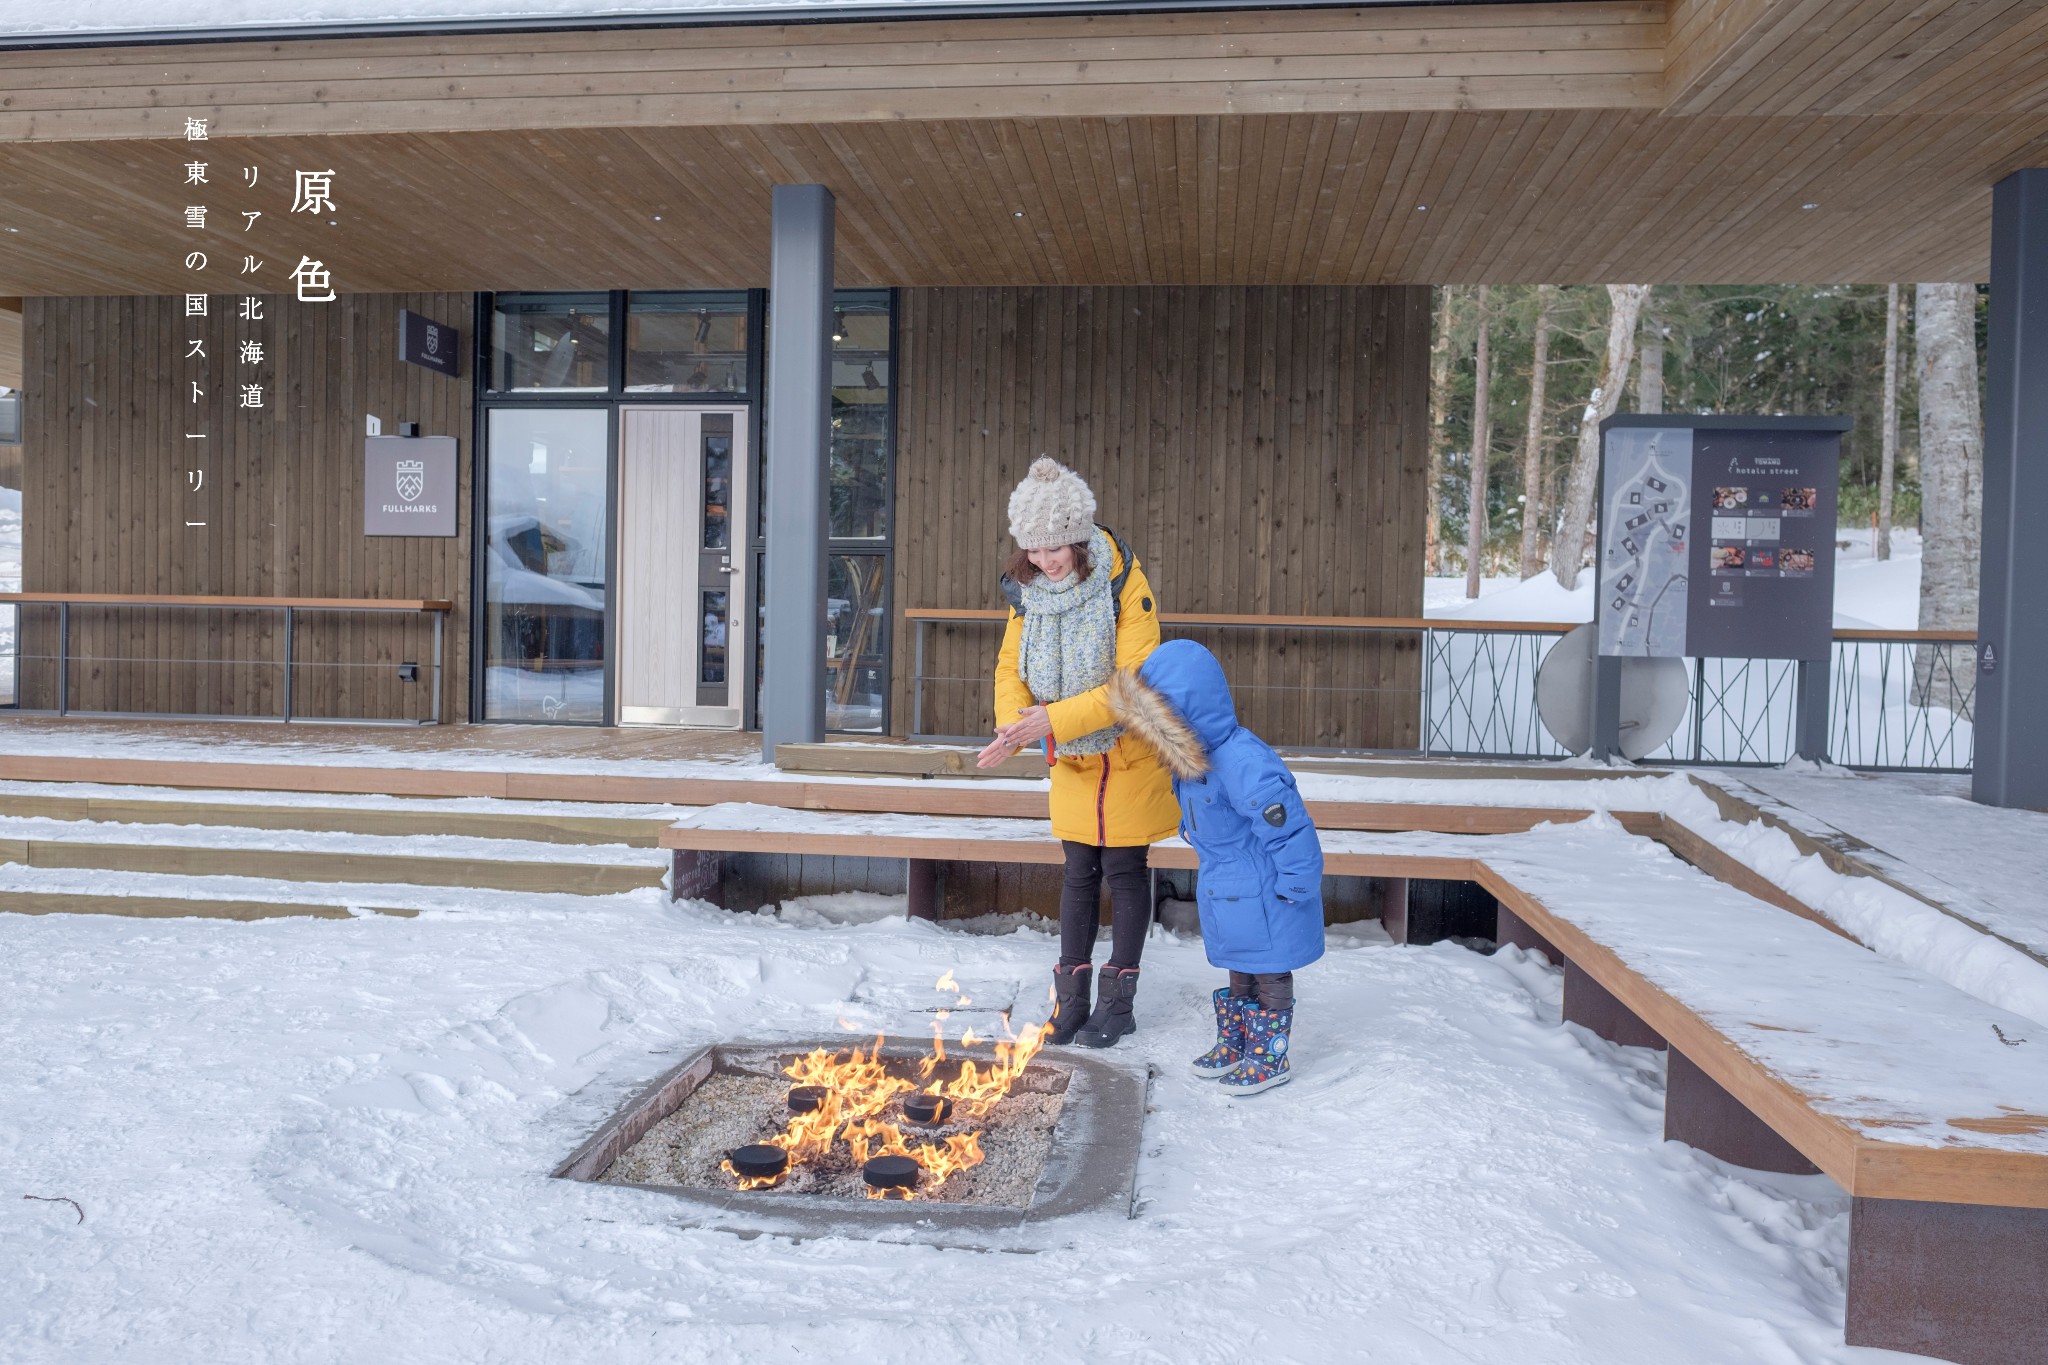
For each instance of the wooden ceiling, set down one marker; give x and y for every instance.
(1723, 140)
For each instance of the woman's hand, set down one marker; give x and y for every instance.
(1032, 724)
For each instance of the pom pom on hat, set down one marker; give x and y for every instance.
(1052, 507)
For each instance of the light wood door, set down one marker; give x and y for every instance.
(681, 586)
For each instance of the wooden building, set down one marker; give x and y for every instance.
(1187, 252)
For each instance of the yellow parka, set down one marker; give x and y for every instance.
(1112, 800)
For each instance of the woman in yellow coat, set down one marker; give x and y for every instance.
(1080, 609)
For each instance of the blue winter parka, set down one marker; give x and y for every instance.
(1260, 886)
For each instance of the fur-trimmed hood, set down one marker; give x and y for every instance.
(1178, 703)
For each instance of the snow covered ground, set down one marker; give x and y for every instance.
(304, 1141)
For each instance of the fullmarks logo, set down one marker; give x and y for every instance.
(412, 479)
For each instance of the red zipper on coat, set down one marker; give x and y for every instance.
(1102, 821)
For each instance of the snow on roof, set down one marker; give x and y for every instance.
(87, 19)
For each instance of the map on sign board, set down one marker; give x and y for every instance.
(1645, 557)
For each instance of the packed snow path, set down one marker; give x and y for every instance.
(325, 1141)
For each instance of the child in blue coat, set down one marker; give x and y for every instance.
(1260, 890)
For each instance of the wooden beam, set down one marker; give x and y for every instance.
(1601, 55)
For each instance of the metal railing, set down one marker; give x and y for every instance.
(1898, 700)
(289, 611)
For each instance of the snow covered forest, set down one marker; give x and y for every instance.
(1522, 375)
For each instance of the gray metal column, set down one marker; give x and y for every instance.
(799, 422)
(1605, 699)
(1812, 681)
(2011, 709)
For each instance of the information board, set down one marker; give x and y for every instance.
(1717, 536)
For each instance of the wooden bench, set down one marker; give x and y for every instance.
(1791, 1047)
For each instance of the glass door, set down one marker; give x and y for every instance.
(682, 489)
(545, 551)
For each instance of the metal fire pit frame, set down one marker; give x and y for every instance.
(1092, 1167)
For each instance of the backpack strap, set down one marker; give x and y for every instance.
(1116, 584)
(1013, 592)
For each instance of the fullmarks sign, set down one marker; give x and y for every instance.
(409, 486)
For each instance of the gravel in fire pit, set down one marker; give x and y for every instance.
(733, 1108)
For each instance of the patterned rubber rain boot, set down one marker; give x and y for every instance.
(1218, 1061)
(1070, 1001)
(1265, 1052)
(1112, 1018)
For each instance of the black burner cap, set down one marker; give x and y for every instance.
(891, 1173)
(759, 1161)
(803, 1099)
(927, 1109)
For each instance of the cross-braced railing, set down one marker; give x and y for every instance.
(1898, 699)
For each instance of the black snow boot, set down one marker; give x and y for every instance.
(1070, 1002)
(1112, 1017)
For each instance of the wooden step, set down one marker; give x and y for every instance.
(299, 865)
(523, 826)
(173, 907)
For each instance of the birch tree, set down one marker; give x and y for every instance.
(1439, 403)
(1889, 459)
(1482, 440)
(1951, 485)
(1650, 369)
(1534, 513)
(1568, 546)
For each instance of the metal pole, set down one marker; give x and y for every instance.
(63, 657)
(917, 679)
(1428, 660)
(1606, 708)
(1699, 708)
(1810, 687)
(799, 432)
(440, 621)
(290, 621)
(2011, 705)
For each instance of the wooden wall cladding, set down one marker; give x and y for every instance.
(108, 494)
(10, 344)
(1263, 449)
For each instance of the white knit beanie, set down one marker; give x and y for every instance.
(1051, 508)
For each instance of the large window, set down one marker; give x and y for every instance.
(863, 431)
(856, 641)
(688, 343)
(551, 343)
(545, 549)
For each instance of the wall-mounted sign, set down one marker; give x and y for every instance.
(409, 486)
(422, 341)
(1717, 536)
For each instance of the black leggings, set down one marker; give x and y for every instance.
(1130, 903)
(1273, 990)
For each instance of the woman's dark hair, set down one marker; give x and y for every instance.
(1019, 568)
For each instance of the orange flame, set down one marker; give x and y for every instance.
(751, 1182)
(858, 1087)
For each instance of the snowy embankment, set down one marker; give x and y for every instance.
(314, 1142)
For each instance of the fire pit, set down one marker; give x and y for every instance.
(890, 1134)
